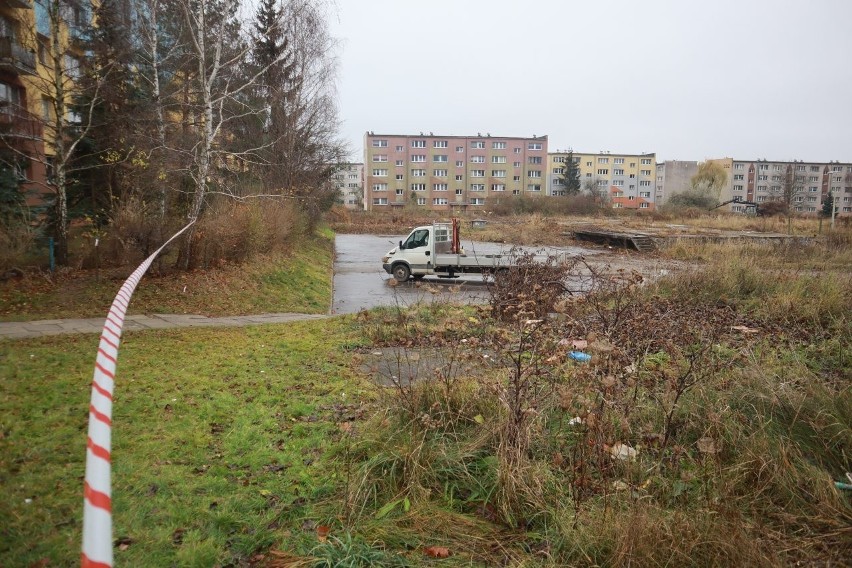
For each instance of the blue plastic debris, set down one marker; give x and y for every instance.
(579, 356)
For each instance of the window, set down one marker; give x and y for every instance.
(478, 144)
(439, 187)
(644, 194)
(418, 158)
(588, 164)
(477, 173)
(618, 172)
(421, 201)
(644, 205)
(814, 168)
(400, 148)
(459, 164)
(399, 177)
(440, 144)
(762, 178)
(418, 143)
(763, 167)
(558, 181)
(738, 188)
(645, 183)
(534, 146)
(559, 171)
(399, 163)
(534, 173)
(738, 177)
(800, 168)
(477, 187)
(477, 201)
(72, 67)
(738, 166)
(380, 143)
(534, 160)
(813, 178)
(645, 172)
(380, 173)
(516, 151)
(477, 159)
(380, 158)
(534, 187)
(418, 173)
(380, 187)
(516, 164)
(516, 178)
(439, 158)
(459, 148)
(459, 191)
(498, 159)
(603, 160)
(498, 173)
(618, 160)
(439, 173)
(516, 192)
(380, 201)
(761, 188)
(459, 177)
(498, 145)
(418, 187)
(776, 178)
(10, 98)
(603, 171)
(618, 182)
(498, 187)
(645, 161)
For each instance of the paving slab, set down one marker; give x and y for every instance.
(142, 322)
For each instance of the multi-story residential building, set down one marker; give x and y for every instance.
(21, 132)
(450, 172)
(627, 180)
(30, 86)
(673, 177)
(804, 186)
(349, 182)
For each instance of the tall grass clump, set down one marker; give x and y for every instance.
(708, 427)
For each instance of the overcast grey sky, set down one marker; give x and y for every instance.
(685, 79)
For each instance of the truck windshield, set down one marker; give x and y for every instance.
(419, 238)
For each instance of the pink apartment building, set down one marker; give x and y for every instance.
(445, 173)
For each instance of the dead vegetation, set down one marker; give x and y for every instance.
(707, 427)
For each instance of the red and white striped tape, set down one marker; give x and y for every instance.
(97, 500)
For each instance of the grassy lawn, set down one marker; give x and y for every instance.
(298, 281)
(223, 442)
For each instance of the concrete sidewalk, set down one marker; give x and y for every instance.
(41, 328)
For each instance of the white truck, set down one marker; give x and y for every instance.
(435, 250)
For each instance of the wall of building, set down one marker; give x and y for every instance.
(627, 179)
(451, 172)
(673, 177)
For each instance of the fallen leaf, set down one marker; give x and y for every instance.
(708, 446)
(437, 551)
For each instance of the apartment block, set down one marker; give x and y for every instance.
(673, 177)
(806, 185)
(626, 180)
(349, 183)
(28, 91)
(445, 173)
(21, 131)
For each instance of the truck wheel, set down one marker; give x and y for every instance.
(501, 275)
(401, 272)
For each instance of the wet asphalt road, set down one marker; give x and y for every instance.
(361, 283)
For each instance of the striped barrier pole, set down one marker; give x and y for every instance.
(97, 500)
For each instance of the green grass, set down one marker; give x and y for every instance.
(297, 281)
(221, 442)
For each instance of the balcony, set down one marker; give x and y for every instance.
(15, 58)
(16, 123)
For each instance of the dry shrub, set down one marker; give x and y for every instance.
(133, 234)
(15, 243)
(234, 232)
(531, 287)
(557, 205)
